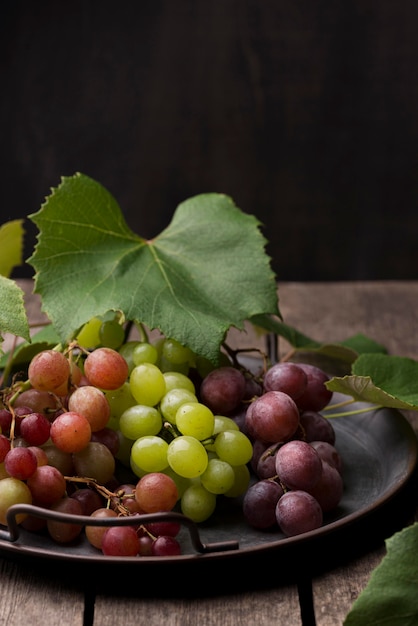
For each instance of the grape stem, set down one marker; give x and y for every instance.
(106, 493)
(337, 405)
(365, 409)
(233, 354)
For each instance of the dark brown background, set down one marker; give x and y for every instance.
(305, 112)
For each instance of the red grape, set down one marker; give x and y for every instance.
(35, 429)
(120, 541)
(64, 532)
(47, 485)
(156, 492)
(95, 534)
(70, 432)
(166, 546)
(49, 370)
(20, 462)
(92, 403)
(105, 368)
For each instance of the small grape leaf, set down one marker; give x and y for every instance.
(13, 318)
(207, 271)
(390, 596)
(11, 246)
(44, 339)
(292, 335)
(362, 344)
(381, 379)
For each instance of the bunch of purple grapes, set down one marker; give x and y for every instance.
(296, 465)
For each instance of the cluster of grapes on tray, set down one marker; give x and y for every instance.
(298, 467)
(110, 427)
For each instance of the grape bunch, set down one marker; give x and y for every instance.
(295, 460)
(106, 408)
(111, 427)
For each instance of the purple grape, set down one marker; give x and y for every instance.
(287, 377)
(272, 418)
(89, 499)
(298, 512)
(223, 389)
(165, 545)
(328, 453)
(329, 489)
(316, 396)
(317, 427)
(258, 448)
(259, 504)
(253, 388)
(266, 466)
(298, 465)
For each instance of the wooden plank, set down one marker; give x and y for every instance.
(39, 597)
(335, 592)
(262, 608)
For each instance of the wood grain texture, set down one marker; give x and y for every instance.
(30, 597)
(335, 592)
(279, 606)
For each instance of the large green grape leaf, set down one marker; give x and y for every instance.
(381, 379)
(11, 246)
(391, 593)
(207, 271)
(13, 317)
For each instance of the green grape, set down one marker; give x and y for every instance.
(136, 469)
(221, 423)
(144, 352)
(147, 384)
(241, 481)
(182, 483)
(111, 334)
(198, 503)
(195, 419)
(218, 477)
(233, 447)
(168, 366)
(224, 423)
(187, 456)
(174, 352)
(140, 420)
(89, 337)
(172, 400)
(149, 453)
(127, 351)
(120, 400)
(177, 380)
(13, 491)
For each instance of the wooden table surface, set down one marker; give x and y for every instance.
(50, 593)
